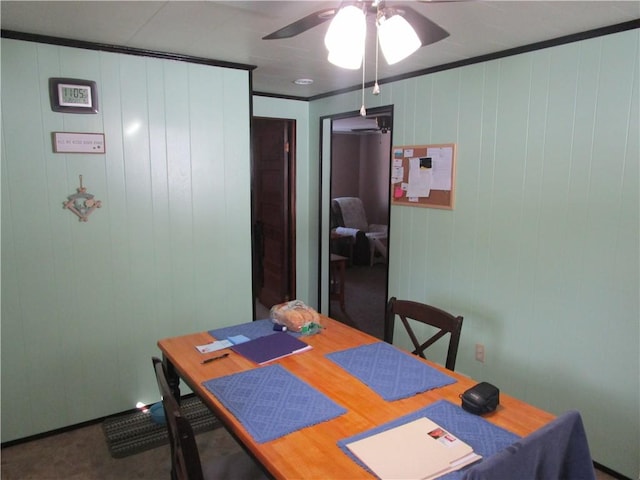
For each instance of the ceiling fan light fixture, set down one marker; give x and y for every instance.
(397, 38)
(346, 58)
(346, 36)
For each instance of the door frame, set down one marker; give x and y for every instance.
(289, 206)
(324, 200)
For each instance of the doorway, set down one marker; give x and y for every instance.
(360, 170)
(273, 213)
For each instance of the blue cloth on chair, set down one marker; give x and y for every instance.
(391, 373)
(271, 402)
(484, 437)
(557, 451)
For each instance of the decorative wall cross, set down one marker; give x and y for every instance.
(82, 203)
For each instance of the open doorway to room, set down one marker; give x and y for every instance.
(273, 213)
(359, 204)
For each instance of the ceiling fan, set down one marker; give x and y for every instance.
(400, 31)
(428, 32)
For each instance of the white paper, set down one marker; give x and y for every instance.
(420, 179)
(397, 174)
(213, 346)
(415, 450)
(442, 163)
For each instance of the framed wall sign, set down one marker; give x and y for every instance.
(72, 95)
(71, 142)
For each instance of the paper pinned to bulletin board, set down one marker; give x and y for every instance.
(423, 175)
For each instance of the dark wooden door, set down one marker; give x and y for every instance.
(273, 226)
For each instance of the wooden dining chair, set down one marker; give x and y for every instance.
(419, 312)
(185, 457)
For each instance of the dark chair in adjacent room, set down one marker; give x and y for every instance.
(559, 450)
(185, 458)
(348, 218)
(419, 312)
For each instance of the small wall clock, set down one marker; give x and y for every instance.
(72, 95)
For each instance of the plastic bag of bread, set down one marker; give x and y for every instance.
(296, 316)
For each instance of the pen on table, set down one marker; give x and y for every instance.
(207, 360)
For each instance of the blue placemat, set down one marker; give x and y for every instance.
(252, 330)
(271, 402)
(485, 438)
(391, 373)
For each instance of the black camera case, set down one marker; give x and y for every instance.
(481, 398)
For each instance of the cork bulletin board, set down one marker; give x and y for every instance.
(423, 175)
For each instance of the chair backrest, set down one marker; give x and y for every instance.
(420, 312)
(557, 450)
(185, 458)
(350, 213)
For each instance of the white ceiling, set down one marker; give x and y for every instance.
(232, 31)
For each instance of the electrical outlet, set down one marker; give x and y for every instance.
(480, 352)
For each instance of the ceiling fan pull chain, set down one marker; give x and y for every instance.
(363, 111)
(376, 87)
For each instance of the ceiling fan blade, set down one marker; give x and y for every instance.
(302, 25)
(427, 31)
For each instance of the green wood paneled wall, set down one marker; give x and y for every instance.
(169, 252)
(541, 253)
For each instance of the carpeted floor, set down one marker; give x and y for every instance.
(83, 454)
(136, 432)
(365, 299)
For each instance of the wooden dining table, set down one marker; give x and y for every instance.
(313, 452)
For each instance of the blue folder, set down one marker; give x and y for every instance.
(270, 347)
